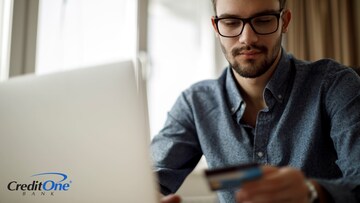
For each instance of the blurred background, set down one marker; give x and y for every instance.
(174, 41)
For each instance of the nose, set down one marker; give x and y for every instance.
(248, 36)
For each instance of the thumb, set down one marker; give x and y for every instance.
(268, 169)
(171, 199)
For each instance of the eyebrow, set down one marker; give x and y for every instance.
(228, 15)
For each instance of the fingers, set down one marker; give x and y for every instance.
(171, 199)
(277, 185)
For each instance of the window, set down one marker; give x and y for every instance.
(5, 27)
(181, 47)
(80, 33)
(181, 52)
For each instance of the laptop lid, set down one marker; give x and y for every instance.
(75, 136)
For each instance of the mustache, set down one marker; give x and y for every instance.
(237, 51)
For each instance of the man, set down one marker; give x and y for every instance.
(299, 120)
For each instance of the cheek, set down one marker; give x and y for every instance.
(270, 42)
(274, 39)
(276, 43)
(227, 44)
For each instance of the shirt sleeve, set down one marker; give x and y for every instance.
(176, 149)
(342, 103)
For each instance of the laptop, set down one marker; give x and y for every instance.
(75, 136)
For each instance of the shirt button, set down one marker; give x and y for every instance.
(260, 154)
(280, 96)
(233, 109)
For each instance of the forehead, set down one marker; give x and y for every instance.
(245, 8)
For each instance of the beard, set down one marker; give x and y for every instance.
(251, 68)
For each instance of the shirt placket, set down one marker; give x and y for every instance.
(261, 139)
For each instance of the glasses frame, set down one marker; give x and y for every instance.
(248, 20)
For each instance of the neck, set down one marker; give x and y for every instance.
(252, 88)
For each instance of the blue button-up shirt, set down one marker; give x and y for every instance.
(312, 122)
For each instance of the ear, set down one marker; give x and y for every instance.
(286, 17)
(214, 26)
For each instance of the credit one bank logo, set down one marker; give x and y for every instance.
(42, 184)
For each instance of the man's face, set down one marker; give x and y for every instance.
(250, 54)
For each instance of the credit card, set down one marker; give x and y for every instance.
(232, 177)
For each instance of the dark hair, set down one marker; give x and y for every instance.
(282, 4)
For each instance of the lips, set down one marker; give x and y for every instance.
(253, 51)
(248, 55)
(249, 52)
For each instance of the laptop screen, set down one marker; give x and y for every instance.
(75, 136)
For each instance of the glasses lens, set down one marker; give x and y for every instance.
(232, 27)
(265, 24)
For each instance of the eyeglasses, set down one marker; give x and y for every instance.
(263, 24)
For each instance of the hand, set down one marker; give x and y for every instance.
(277, 185)
(171, 199)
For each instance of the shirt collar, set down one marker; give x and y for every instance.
(233, 95)
(281, 78)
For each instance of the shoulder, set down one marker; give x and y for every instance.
(204, 96)
(334, 81)
(207, 88)
(321, 66)
(198, 100)
(324, 70)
